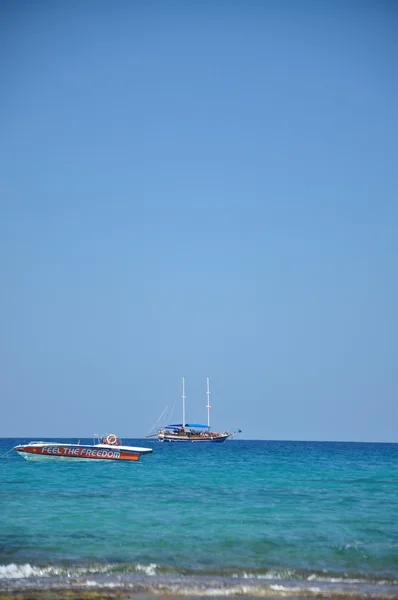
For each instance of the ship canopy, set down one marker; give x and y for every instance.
(188, 425)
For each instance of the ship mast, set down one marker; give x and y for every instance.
(183, 402)
(208, 401)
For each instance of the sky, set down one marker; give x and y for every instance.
(199, 189)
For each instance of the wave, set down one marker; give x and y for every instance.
(14, 571)
(23, 571)
(154, 579)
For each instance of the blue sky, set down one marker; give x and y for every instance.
(199, 188)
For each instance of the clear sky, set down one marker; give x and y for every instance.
(199, 188)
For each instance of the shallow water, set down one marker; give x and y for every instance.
(243, 518)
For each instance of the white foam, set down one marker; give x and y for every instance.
(245, 575)
(201, 591)
(283, 588)
(13, 571)
(150, 569)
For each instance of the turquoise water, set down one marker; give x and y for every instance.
(245, 517)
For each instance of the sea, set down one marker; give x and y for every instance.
(273, 519)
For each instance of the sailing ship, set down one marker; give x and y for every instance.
(193, 432)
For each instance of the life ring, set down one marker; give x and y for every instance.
(111, 439)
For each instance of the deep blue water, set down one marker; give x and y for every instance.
(244, 517)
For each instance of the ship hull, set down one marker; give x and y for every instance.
(192, 440)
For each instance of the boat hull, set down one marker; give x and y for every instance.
(58, 451)
(192, 440)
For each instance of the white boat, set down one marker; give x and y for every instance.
(193, 432)
(107, 447)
